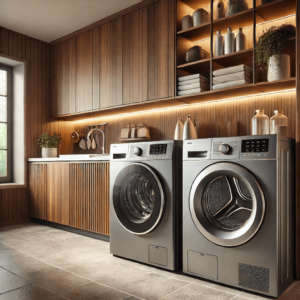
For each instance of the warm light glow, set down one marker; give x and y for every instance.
(184, 105)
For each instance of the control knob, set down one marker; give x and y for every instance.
(137, 151)
(224, 148)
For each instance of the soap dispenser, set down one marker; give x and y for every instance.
(178, 131)
(189, 129)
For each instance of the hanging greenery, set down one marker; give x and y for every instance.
(273, 42)
(46, 140)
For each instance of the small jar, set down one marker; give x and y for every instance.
(278, 123)
(260, 123)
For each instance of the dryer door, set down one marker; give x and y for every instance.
(227, 204)
(138, 198)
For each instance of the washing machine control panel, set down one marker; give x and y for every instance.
(255, 146)
(158, 149)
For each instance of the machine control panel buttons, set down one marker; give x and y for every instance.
(158, 149)
(224, 148)
(137, 151)
(254, 146)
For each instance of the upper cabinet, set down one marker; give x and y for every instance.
(128, 60)
(148, 52)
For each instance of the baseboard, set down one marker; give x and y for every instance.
(15, 222)
(94, 235)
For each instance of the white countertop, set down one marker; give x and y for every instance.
(73, 157)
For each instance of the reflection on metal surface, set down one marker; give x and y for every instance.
(137, 197)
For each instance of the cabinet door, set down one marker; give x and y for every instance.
(148, 52)
(60, 79)
(58, 193)
(84, 72)
(89, 198)
(37, 190)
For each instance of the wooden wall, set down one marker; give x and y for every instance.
(13, 202)
(212, 118)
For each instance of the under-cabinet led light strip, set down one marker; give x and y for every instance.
(184, 105)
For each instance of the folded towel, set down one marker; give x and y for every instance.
(193, 86)
(190, 77)
(231, 70)
(232, 77)
(230, 84)
(205, 80)
(188, 92)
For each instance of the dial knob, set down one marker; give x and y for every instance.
(137, 151)
(224, 148)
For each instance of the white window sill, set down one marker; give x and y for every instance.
(8, 185)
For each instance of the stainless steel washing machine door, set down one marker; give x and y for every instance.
(138, 198)
(227, 204)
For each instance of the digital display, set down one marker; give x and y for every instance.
(255, 145)
(158, 149)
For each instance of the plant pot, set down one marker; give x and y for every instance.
(49, 152)
(279, 69)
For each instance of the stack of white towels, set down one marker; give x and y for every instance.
(233, 76)
(192, 84)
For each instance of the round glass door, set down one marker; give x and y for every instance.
(138, 198)
(227, 204)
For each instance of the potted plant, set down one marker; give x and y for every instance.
(49, 144)
(269, 51)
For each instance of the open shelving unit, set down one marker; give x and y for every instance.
(257, 18)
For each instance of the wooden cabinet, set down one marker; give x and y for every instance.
(72, 194)
(128, 60)
(148, 52)
(37, 190)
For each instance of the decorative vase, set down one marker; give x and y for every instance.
(229, 41)
(219, 44)
(49, 152)
(279, 69)
(279, 123)
(200, 16)
(178, 134)
(240, 41)
(220, 10)
(235, 6)
(189, 129)
(260, 123)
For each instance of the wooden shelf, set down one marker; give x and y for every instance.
(195, 4)
(240, 91)
(275, 10)
(196, 33)
(242, 19)
(234, 59)
(199, 66)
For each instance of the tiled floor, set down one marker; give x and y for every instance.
(39, 262)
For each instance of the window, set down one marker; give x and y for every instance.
(5, 124)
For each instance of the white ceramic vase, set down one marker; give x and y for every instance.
(279, 69)
(49, 152)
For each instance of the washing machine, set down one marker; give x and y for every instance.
(145, 202)
(238, 211)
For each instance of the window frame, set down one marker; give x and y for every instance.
(9, 122)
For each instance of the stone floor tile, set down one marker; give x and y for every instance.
(194, 291)
(29, 292)
(84, 291)
(160, 290)
(135, 286)
(10, 281)
(111, 294)
(58, 285)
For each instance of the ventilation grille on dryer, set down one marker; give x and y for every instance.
(255, 278)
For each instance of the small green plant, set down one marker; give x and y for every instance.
(46, 140)
(273, 42)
